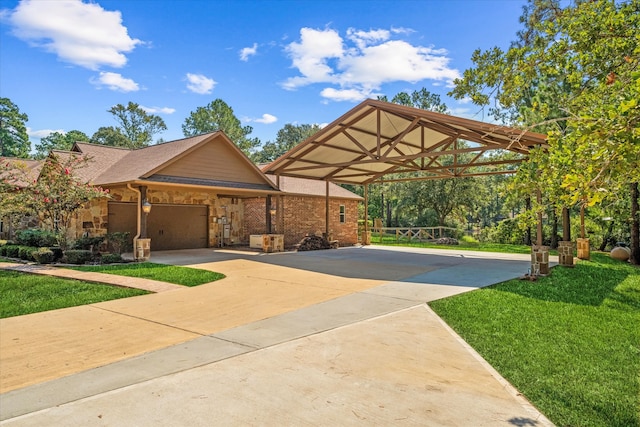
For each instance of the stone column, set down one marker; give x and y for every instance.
(539, 260)
(565, 253)
(142, 250)
(584, 250)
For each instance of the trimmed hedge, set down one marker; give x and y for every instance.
(110, 258)
(36, 237)
(77, 256)
(43, 256)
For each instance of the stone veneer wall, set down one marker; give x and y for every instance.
(302, 216)
(96, 216)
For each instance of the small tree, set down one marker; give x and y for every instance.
(54, 197)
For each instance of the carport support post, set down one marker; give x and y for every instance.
(539, 252)
(326, 211)
(366, 234)
(143, 216)
(268, 214)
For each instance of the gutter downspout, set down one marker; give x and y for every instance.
(135, 238)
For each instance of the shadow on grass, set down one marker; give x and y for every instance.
(589, 283)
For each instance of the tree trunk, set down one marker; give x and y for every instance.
(635, 225)
(582, 230)
(554, 230)
(527, 238)
(388, 213)
(606, 237)
(566, 225)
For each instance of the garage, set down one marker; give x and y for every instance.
(169, 226)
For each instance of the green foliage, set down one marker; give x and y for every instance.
(218, 116)
(119, 241)
(23, 293)
(54, 197)
(287, 138)
(77, 256)
(136, 125)
(507, 231)
(36, 237)
(108, 135)
(59, 141)
(26, 252)
(43, 256)
(88, 243)
(110, 258)
(568, 342)
(573, 72)
(14, 140)
(11, 251)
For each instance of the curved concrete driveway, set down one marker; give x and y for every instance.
(311, 338)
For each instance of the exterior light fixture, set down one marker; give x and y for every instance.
(272, 211)
(146, 206)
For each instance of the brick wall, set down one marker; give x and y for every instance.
(302, 216)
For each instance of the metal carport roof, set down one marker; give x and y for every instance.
(377, 138)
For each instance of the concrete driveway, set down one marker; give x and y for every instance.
(336, 337)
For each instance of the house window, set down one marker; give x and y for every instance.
(343, 215)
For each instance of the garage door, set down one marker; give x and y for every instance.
(168, 226)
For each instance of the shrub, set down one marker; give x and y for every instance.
(43, 255)
(111, 258)
(36, 238)
(57, 252)
(3, 250)
(12, 251)
(119, 241)
(78, 256)
(26, 252)
(88, 243)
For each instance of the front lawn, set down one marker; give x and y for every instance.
(165, 273)
(23, 293)
(569, 342)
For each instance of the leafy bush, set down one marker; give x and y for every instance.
(78, 256)
(119, 241)
(36, 237)
(111, 258)
(88, 243)
(11, 251)
(506, 232)
(43, 255)
(26, 252)
(57, 252)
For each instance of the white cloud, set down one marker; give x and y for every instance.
(311, 56)
(267, 119)
(199, 83)
(246, 52)
(43, 133)
(161, 110)
(353, 95)
(80, 33)
(115, 81)
(357, 66)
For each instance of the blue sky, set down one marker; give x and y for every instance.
(66, 62)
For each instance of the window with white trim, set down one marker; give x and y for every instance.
(343, 214)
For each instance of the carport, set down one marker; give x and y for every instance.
(378, 138)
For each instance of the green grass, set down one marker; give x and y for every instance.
(569, 342)
(23, 293)
(165, 273)
(464, 245)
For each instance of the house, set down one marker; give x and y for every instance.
(203, 192)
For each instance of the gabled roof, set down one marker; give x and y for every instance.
(160, 163)
(30, 169)
(376, 138)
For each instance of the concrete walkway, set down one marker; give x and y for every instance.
(340, 337)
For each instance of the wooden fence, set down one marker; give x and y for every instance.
(414, 233)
